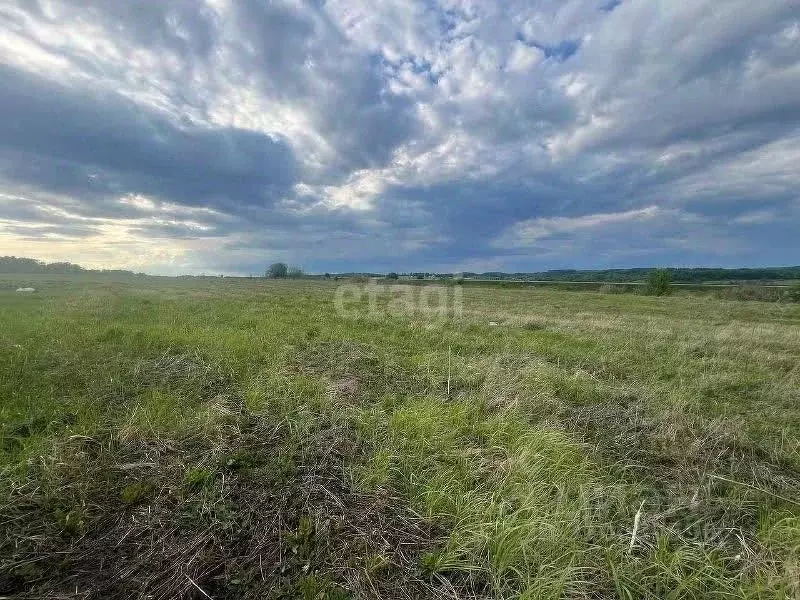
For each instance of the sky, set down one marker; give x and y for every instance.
(218, 136)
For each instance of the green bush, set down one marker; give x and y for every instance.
(658, 283)
(793, 293)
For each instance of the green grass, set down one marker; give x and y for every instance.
(239, 436)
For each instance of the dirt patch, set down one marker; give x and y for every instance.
(252, 518)
(346, 387)
(376, 370)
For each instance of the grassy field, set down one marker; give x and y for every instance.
(167, 438)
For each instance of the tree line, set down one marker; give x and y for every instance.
(31, 266)
(677, 275)
(281, 270)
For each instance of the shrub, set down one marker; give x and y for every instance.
(793, 293)
(277, 270)
(608, 288)
(295, 272)
(392, 275)
(745, 292)
(658, 283)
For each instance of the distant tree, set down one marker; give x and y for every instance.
(658, 283)
(294, 272)
(327, 275)
(392, 275)
(277, 270)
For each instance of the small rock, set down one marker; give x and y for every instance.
(493, 324)
(26, 290)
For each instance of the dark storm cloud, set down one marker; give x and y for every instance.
(98, 144)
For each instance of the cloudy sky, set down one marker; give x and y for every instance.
(187, 136)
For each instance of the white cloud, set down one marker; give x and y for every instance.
(527, 233)
(757, 217)
(523, 58)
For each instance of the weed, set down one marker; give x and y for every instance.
(241, 460)
(198, 478)
(136, 493)
(70, 521)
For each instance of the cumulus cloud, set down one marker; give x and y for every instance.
(215, 135)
